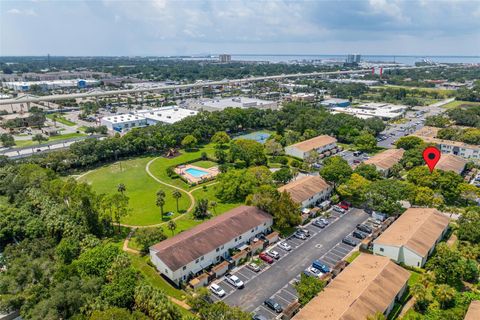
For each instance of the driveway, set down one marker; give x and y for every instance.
(278, 275)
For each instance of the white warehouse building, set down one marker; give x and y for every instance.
(412, 237)
(123, 122)
(188, 253)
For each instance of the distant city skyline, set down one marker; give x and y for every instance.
(165, 28)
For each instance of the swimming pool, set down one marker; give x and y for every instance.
(196, 172)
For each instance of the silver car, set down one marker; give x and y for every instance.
(285, 246)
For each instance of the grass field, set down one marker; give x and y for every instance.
(28, 143)
(141, 189)
(204, 164)
(61, 119)
(457, 103)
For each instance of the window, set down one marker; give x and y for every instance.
(253, 230)
(418, 264)
(239, 237)
(184, 268)
(166, 270)
(381, 250)
(235, 239)
(201, 259)
(218, 249)
(196, 261)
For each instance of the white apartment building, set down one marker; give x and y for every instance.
(185, 255)
(323, 145)
(412, 237)
(308, 190)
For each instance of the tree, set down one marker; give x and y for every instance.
(249, 151)
(377, 316)
(220, 155)
(409, 142)
(236, 185)
(336, 170)
(147, 237)
(365, 142)
(445, 295)
(90, 130)
(54, 119)
(468, 192)
(273, 148)
(39, 138)
(213, 205)
(368, 171)
(469, 225)
(189, 142)
(160, 201)
(422, 295)
(221, 138)
(220, 310)
(201, 210)
(308, 288)
(7, 140)
(447, 265)
(385, 195)
(176, 194)
(172, 226)
(283, 175)
(355, 189)
(121, 188)
(155, 303)
(117, 314)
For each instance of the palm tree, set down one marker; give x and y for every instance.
(177, 195)
(121, 188)
(213, 205)
(172, 226)
(160, 200)
(377, 316)
(445, 295)
(201, 210)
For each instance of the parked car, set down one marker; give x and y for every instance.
(313, 271)
(300, 235)
(346, 203)
(274, 305)
(258, 317)
(357, 153)
(285, 246)
(265, 258)
(304, 231)
(364, 228)
(320, 266)
(359, 234)
(253, 266)
(324, 221)
(343, 206)
(217, 290)
(356, 161)
(350, 241)
(234, 281)
(318, 223)
(274, 254)
(338, 209)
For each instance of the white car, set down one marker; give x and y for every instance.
(324, 221)
(234, 281)
(274, 254)
(217, 290)
(338, 209)
(314, 271)
(285, 246)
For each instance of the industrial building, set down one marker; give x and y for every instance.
(464, 150)
(384, 111)
(50, 85)
(412, 237)
(219, 104)
(335, 102)
(308, 190)
(147, 117)
(324, 145)
(188, 253)
(370, 284)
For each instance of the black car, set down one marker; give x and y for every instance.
(364, 228)
(274, 305)
(359, 234)
(318, 223)
(350, 241)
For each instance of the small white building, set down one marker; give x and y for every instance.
(412, 237)
(308, 190)
(188, 253)
(169, 115)
(123, 122)
(323, 145)
(384, 111)
(219, 104)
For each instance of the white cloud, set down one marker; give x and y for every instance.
(26, 12)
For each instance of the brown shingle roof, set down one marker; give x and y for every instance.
(473, 312)
(314, 143)
(450, 162)
(206, 237)
(368, 285)
(386, 159)
(417, 229)
(304, 188)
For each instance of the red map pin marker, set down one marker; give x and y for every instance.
(431, 155)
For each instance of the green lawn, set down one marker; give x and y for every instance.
(141, 189)
(204, 164)
(457, 103)
(61, 119)
(28, 143)
(353, 256)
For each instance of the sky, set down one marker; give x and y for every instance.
(176, 27)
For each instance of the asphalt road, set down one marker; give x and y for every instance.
(282, 271)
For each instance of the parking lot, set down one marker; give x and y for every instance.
(276, 280)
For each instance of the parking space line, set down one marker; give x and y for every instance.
(333, 253)
(288, 292)
(268, 310)
(277, 296)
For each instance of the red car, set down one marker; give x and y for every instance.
(346, 203)
(343, 206)
(265, 258)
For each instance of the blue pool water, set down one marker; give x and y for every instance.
(258, 136)
(195, 172)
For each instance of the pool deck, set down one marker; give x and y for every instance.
(210, 173)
